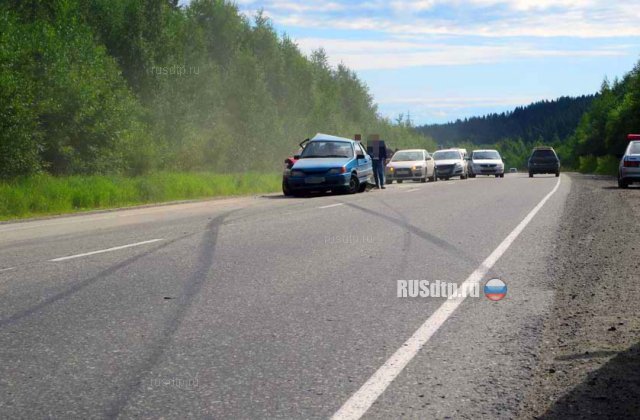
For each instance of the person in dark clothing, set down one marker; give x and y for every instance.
(378, 152)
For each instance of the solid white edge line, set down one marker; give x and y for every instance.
(331, 205)
(356, 406)
(86, 254)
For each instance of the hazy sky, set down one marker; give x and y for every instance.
(447, 59)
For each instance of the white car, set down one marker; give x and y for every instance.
(486, 162)
(450, 163)
(629, 169)
(412, 164)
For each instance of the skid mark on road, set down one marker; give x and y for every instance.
(439, 242)
(190, 291)
(360, 402)
(75, 288)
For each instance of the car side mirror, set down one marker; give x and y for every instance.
(359, 156)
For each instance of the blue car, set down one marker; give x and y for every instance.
(329, 163)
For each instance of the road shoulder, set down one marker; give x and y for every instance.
(590, 353)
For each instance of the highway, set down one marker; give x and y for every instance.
(273, 307)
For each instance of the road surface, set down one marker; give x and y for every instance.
(272, 307)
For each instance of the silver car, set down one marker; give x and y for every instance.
(486, 162)
(412, 164)
(629, 169)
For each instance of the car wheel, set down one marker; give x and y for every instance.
(557, 174)
(285, 188)
(432, 178)
(354, 185)
(501, 175)
(363, 187)
(530, 175)
(472, 175)
(622, 183)
(399, 181)
(423, 180)
(389, 181)
(497, 175)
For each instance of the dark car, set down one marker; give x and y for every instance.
(544, 160)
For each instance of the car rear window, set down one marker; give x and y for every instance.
(634, 149)
(544, 154)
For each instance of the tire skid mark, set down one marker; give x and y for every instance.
(192, 288)
(78, 286)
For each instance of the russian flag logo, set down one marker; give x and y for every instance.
(495, 290)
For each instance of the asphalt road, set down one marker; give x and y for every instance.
(269, 307)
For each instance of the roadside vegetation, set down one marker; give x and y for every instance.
(134, 88)
(588, 132)
(46, 194)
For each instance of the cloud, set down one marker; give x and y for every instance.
(391, 54)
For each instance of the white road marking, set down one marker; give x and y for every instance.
(86, 254)
(331, 205)
(356, 406)
(413, 189)
(7, 269)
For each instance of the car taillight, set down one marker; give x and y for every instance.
(631, 164)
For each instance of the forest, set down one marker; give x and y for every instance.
(131, 87)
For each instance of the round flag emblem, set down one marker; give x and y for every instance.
(495, 289)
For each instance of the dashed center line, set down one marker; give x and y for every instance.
(331, 205)
(86, 254)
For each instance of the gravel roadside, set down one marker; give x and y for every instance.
(590, 350)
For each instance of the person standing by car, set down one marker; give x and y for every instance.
(378, 152)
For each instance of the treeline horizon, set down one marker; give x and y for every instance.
(131, 87)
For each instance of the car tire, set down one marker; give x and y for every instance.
(433, 178)
(497, 175)
(530, 175)
(423, 180)
(285, 189)
(354, 185)
(557, 174)
(389, 181)
(363, 187)
(472, 175)
(400, 181)
(622, 183)
(501, 175)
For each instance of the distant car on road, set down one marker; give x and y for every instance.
(329, 163)
(412, 164)
(629, 169)
(513, 170)
(486, 162)
(544, 160)
(450, 163)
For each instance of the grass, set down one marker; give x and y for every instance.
(47, 195)
(601, 165)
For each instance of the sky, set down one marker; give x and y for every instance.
(441, 60)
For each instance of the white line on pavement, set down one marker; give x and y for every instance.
(331, 205)
(356, 406)
(7, 269)
(413, 189)
(86, 254)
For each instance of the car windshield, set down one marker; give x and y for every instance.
(634, 149)
(327, 149)
(407, 156)
(544, 153)
(444, 155)
(490, 154)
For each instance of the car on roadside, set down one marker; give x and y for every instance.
(543, 160)
(450, 163)
(629, 169)
(329, 163)
(486, 162)
(411, 164)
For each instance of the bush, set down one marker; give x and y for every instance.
(607, 165)
(587, 164)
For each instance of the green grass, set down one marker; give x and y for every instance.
(46, 195)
